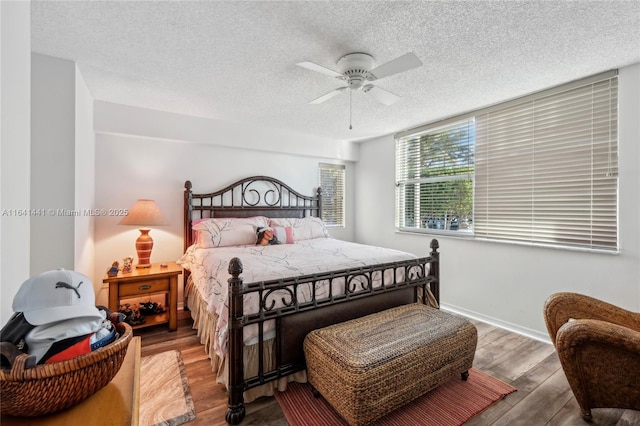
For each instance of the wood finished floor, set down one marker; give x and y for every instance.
(543, 396)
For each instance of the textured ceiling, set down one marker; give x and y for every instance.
(236, 60)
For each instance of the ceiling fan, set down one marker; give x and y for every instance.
(357, 71)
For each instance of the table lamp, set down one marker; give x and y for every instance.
(144, 213)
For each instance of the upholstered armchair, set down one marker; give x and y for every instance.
(599, 348)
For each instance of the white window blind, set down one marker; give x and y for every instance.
(547, 168)
(434, 177)
(332, 178)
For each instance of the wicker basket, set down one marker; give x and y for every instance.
(370, 366)
(48, 388)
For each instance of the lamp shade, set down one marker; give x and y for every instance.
(144, 213)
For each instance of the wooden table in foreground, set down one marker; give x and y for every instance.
(117, 404)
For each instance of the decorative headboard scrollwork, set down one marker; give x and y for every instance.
(252, 196)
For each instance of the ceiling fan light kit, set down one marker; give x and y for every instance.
(357, 71)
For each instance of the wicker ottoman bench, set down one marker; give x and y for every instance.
(370, 366)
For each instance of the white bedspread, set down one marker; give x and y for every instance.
(209, 271)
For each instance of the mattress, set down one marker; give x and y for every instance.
(209, 273)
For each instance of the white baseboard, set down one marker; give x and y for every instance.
(527, 332)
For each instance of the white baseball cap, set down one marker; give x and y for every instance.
(55, 296)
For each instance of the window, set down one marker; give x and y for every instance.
(332, 184)
(434, 178)
(544, 170)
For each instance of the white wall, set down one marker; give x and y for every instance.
(15, 118)
(85, 179)
(128, 120)
(52, 162)
(62, 167)
(503, 283)
(154, 160)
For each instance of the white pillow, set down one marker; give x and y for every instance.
(303, 229)
(224, 232)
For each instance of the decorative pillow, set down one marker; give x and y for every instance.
(196, 233)
(226, 232)
(303, 229)
(284, 234)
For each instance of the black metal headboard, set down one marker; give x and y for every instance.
(251, 196)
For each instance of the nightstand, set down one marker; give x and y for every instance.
(147, 282)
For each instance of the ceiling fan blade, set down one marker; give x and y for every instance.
(318, 68)
(403, 63)
(328, 95)
(381, 95)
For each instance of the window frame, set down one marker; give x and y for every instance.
(415, 145)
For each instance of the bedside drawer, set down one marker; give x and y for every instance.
(144, 287)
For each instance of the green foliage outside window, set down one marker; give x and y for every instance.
(435, 178)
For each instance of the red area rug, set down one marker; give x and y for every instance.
(451, 404)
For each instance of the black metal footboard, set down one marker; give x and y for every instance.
(363, 290)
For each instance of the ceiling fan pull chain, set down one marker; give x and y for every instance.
(350, 109)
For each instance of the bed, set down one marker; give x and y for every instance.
(253, 305)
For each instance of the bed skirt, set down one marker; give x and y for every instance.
(205, 323)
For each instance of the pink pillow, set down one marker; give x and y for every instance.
(303, 229)
(196, 233)
(284, 234)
